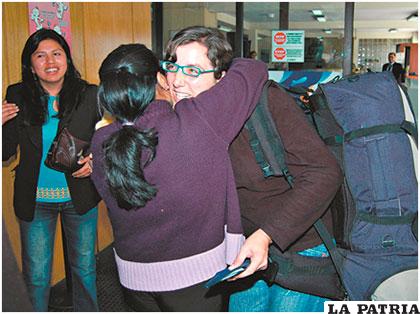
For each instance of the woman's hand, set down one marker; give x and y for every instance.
(86, 170)
(8, 111)
(255, 248)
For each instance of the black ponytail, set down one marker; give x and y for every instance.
(128, 80)
(123, 166)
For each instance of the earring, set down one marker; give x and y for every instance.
(35, 77)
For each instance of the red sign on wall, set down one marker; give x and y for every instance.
(287, 46)
(280, 38)
(279, 53)
(50, 15)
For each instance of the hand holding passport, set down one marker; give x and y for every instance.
(226, 273)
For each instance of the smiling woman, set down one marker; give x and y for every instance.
(50, 97)
(49, 64)
(186, 86)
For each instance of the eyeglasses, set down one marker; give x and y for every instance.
(189, 70)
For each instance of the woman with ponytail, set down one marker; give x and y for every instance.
(125, 95)
(166, 178)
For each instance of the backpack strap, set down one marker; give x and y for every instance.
(265, 140)
(392, 220)
(410, 128)
(326, 237)
(257, 150)
(405, 126)
(317, 101)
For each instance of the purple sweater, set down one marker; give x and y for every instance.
(192, 228)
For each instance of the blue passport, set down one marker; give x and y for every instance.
(227, 273)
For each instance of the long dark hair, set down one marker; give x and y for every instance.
(128, 82)
(34, 95)
(219, 50)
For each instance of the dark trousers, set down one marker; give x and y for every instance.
(196, 298)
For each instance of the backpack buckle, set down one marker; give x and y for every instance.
(269, 275)
(287, 176)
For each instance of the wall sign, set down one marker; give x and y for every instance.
(288, 46)
(50, 15)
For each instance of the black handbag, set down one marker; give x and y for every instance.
(65, 151)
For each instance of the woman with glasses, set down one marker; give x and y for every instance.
(166, 178)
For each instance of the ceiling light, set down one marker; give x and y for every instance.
(392, 30)
(224, 28)
(327, 31)
(317, 12)
(321, 18)
(412, 17)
